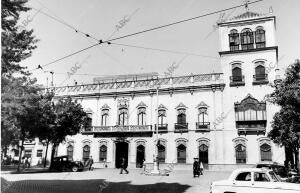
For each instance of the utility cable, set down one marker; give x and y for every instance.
(144, 31)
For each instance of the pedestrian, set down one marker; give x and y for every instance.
(26, 162)
(201, 168)
(123, 166)
(90, 163)
(196, 167)
(143, 166)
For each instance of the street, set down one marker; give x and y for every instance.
(108, 180)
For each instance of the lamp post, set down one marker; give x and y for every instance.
(155, 161)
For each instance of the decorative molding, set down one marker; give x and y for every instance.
(89, 110)
(86, 142)
(181, 141)
(102, 142)
(201, 105)
(181, 106)
(163, 142)
(140, 142)
(240, 140)
(264, 140)
(141, 104)
(105, 106)
(123, 103)
(162, 107)
(249, 102)
(204, 141)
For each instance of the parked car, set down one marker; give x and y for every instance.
(62, 163)
(279, 170)
(253, 180)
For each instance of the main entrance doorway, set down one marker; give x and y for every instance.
(140, 156)
(203, 155)
(121, 152)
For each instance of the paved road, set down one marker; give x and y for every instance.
(108, 180)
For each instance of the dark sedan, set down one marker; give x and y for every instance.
(62, 163)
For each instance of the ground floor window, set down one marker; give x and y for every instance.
(181, 154)
(70, 150)
(86, 153)
(161, 153)
(39, 153)
(203, 153)
(28, 153)
(240, 151)
(140, 156)
(265, 152)
(103, 153)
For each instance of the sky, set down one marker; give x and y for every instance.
(196, 41)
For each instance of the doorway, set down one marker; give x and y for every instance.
(140, 156)
(121, 152)
(203, 155)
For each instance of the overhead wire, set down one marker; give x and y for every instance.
(100, 41)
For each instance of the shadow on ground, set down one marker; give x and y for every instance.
(89, 186)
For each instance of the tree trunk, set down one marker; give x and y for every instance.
(52, 154)
(20, 153)
(45, 159)
(297, 159)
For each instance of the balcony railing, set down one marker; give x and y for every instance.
(260, 44)
(260, 79)
(181, 127)
(237, 80)
(162, 128)
(120, 128)
(247, 46)
(234, 47)
(202, 126)
(255, 127)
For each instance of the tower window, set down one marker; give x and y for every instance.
(247, 39)
(234, 40)
(260, 39)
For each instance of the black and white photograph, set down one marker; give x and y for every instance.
(150, 96)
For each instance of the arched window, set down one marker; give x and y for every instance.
(265, 152)
(181, 154)
(260, 38)
(86, 153)
(70, 150)
(141, 116)
(123, 116)
(203, 121)
(140, 156)
(234, 40)
(89, 120)
(103, 153)
(104, 117)
(161, 116)
(260, 71)
(240, 153)
(181, 117)
(161, 153)
(237, 73)
(247, 39)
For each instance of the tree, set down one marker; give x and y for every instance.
(59, 119)
(17, 45)
(286, 122)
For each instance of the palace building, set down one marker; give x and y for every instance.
(221, 118)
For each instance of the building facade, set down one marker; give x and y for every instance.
(221, 118)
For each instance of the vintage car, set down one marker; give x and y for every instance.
(62, 163)
(253, 180)
(279, 170)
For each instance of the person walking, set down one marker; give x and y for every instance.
(123, 166)
(201, 168)
(196, 167)
(90, 163)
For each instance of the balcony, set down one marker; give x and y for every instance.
(247, 46)
(234, 47)
(162, 128)
(260, 44)
(120, 130)
(251, 127)
(260, 79)
(237, 81)
(202, 126)
(181, 128)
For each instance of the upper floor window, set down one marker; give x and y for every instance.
(260, 71)
(202, 116)
(141, 116)
(104, 117)
(161, 116)
(89, 121)
(123, 116)
(234, 40)
(236, 73)
(181, 117)
(247, 39)
(260, 39)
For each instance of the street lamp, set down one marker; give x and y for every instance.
(155, 161)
